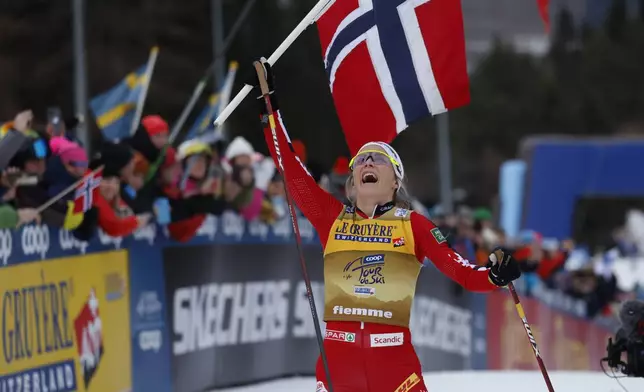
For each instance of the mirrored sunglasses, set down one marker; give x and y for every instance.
(377, 157)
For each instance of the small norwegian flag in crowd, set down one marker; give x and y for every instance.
(391, 63)
(86, 191)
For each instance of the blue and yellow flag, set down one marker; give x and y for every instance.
(216, 103)
(114, 109)
(204, 121)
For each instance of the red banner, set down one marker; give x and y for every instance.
(565, 342)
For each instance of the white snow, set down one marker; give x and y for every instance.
(482, 381)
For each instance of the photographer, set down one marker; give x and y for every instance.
(630, 340)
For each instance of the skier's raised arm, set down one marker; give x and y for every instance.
(319, 207)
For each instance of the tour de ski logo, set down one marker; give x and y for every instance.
(89, 338)
(366, 270)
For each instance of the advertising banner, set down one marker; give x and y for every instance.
(66, 325)
(565, 342)
(239, 314)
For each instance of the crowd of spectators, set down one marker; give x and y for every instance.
(132, 182)
(143, 179)
(582, 272)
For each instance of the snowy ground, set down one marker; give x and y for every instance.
(510, 381)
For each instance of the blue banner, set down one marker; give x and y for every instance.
(150, 334)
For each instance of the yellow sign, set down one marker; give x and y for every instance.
(66, 325)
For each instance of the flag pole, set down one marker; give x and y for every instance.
(152, 59)
(201, 85)
(65, 191)
(309, 19)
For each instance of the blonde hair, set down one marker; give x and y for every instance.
(400, 197)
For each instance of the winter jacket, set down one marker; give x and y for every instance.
(111, 223)
(8, 217)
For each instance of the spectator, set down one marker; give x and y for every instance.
(197, 191)
(275, 205)
(112, 214)
(248, 176)
(31, 190)
(150, 138)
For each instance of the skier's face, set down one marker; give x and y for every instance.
(373, 173)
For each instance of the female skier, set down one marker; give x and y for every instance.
(373, 253)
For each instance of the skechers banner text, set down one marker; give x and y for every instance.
(370, 281)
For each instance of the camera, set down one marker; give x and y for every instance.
(629, 340)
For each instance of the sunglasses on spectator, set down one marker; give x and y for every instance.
(378, 158)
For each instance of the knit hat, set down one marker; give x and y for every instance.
(239, 146)
(154, 125)
(73, 154)
(67, 150)
(114, 157)
(398, 169)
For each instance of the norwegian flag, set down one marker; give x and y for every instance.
(84, 196)
(392, 62)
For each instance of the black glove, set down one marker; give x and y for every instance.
(503, 268)
(270, 80)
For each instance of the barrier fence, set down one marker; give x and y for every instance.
(145, 313)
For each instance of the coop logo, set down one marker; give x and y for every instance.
(364, 232)
(89, 338)
(6, 245)
(68, 242)
(367, 269)
(150, 340)
(341, 310)
(35, 240)
(106, 240)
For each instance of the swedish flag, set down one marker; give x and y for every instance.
(204, 121)
(114, 109)
(216, 103)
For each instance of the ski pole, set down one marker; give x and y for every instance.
(533, 341)
(263, 85)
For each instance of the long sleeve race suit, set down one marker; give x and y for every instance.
(368, 356)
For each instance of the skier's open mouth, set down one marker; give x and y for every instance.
(369, 178)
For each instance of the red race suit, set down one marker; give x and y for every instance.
(369, 356)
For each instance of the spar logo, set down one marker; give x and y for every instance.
(340, 336)
(367, 270)
(89, 338)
